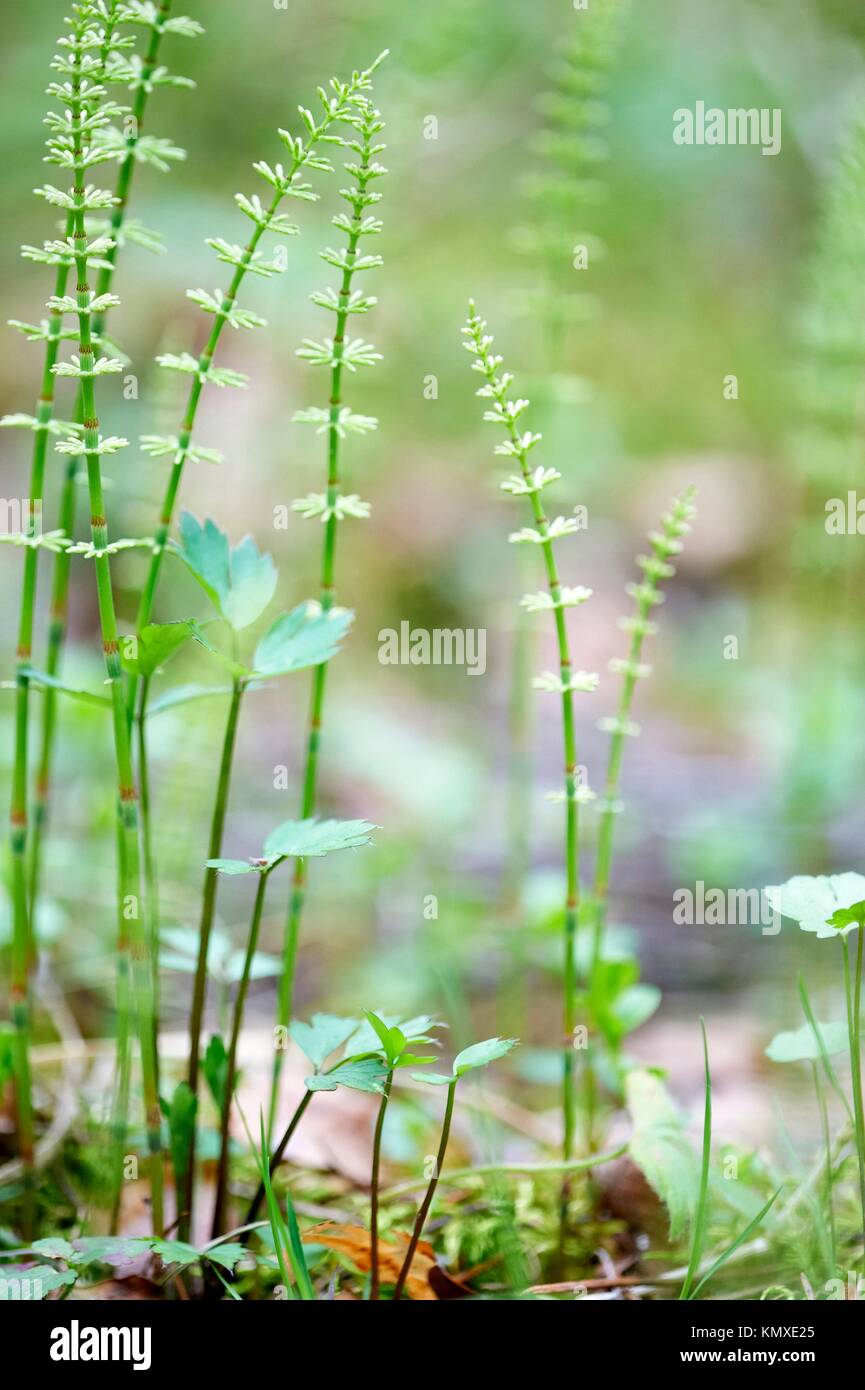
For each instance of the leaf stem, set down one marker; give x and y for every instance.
(423, 1209)
(374, 1194)
(208, 907)
(231, 1065)
(852, 995)
(276, 1156)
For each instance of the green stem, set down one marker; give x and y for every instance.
(22, 912)
(151, 878)
(459, 1175)
(231, 1065)
(205, 360)
(373, 1200)
(827, 1145)
(68, 497)
(572, 898)
(127, 802)
(208, 907)
(276, 1157)
(852, 995)
(297, 896)
(425, 1205)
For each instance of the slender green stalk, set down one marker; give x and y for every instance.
(142, 83)
(23, 902)
(423, 1209)
(374, 1194)
(656, 567)
(276, 1156)
(208, 907)
(831, 1075)
(853, 998)
(698, 1228)
(665, 543)
(231, 1064)
(151, 878)
(83, 115)
(827, 1145)
(285, 183)
(530, 482)
(331, 507)
(459, 1175)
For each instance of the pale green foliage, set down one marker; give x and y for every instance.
(812, 902)
(800, 1045)
(239, 579)
(660, 1146)
(302, 840)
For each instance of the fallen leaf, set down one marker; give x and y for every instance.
(354, 1242)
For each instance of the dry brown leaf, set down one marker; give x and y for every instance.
(355, 1243)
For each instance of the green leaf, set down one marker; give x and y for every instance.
(411, 1059)
(158, 642)
(35, 1283)
(226, 1254)
(184, 695)
(632, 1007)
(304, 838)
(176, 1251)
(307, 636)
(381, 1030)
(321, 1036)
(239, 579)
(215, 1068)
(181, 1124)
(46, 682)
(104, 1249)
(233, 866)
(800, 1044)
(482, 1053)
(433, 1078)
(660, 1147)
(54, 1248)
(363, 1074)
(813, 902)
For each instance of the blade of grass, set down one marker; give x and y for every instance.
(698, 1230)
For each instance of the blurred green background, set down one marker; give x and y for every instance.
(715, 263)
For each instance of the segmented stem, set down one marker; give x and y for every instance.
(300, 157)
(359, 199)
(68, 497)
(127, 803)
(519, 448)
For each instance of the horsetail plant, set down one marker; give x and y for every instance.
(285, 182)
(657, 567)
(291, 839)
(529, 483)
(141, 75)
(82, 62)
(336, 420)
(76, 149)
